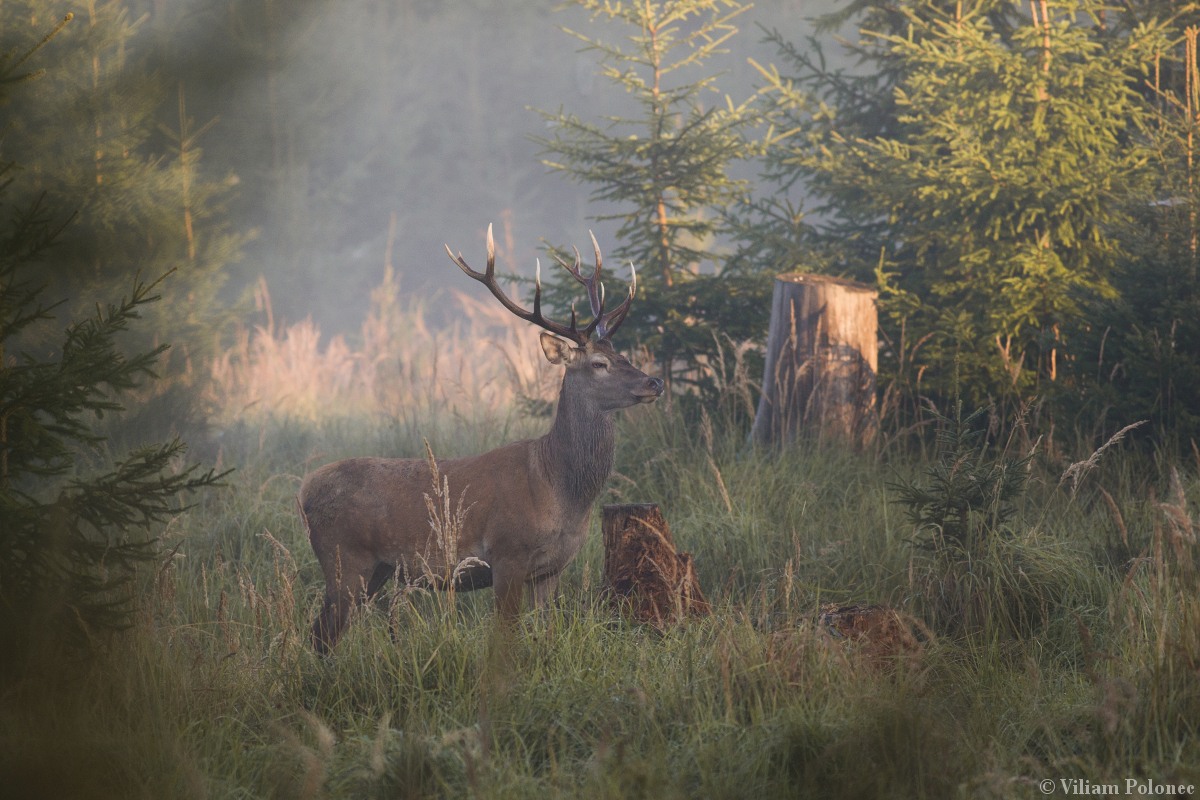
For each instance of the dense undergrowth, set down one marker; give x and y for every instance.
(1065, 645)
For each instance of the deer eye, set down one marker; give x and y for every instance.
(599, 363)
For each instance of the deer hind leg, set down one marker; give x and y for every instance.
(327, 628)
(379, 578)
(348, 581)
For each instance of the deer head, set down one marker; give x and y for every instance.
(613, 382)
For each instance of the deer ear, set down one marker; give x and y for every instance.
(558, 351)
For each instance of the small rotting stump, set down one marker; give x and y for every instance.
(880, 633)
(645, 575)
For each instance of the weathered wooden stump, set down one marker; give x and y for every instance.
(822, 353)
(643, 571)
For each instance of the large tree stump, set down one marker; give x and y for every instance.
(642, 569)
(822, 353)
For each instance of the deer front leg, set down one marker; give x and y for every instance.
(509, 586)
(542, 589)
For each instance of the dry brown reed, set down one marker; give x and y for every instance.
(1076, 472)
(483, 364)
(304, 774)
(445, 525)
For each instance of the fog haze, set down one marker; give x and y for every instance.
(333, 119)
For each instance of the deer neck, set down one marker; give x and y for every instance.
(578, 451)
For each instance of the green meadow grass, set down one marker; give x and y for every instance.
(216, 693)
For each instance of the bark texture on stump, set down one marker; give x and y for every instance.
(822, 353)
(642, 569)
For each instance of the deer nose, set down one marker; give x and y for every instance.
(649, 391)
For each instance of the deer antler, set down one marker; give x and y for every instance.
(604, 324)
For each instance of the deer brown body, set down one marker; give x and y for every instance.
(527, 504)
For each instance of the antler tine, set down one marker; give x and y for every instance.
(537, 291)
(488, 279)
(613, 319)
(592, 284)
(597, 308)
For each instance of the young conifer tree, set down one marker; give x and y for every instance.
(74, 526)
(663, 172)
(977, 164)
(1142, 357)
(107, 134)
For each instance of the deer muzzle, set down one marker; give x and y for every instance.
(649, 391)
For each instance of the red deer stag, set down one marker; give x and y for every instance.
(527, 503)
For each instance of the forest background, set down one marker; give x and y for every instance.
(223, 225)
(1020, 190)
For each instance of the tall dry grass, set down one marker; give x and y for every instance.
(216, 692)
(484, 364)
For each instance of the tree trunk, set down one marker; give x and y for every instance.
(642, 569)
(822, 352)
